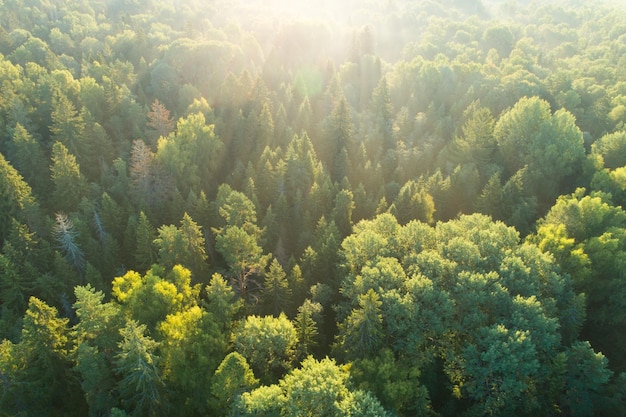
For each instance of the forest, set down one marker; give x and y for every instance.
(362, 208)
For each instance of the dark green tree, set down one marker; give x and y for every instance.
(362, 334)
(338, 134)
(145, 249)
(28, 157)
(96, 336)
(37, 374)
(140, 387)
(550, 145)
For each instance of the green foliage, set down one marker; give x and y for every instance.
(151, 297)
(275, 292)
(16, 198)
(463, 292)
(413, 203)
(65, 236)
(244, 257)
(183, 245)
(67, 126)
(28, 157)
(590, 246)
(140, 385)
(36, 369)
(191, 346)
(293, 161)
(265, 401)
(586, 372)
(394, 382)
(612, 148)
(500, 369)
(268, 343)
(318, 388)
(192, 153)
(363, 333)
(233, 377)
(549, 145)
(306, 324)
(96, 336)
(98, 322)
(69, 184)
(145, 250)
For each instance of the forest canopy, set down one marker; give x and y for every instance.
(320, 208)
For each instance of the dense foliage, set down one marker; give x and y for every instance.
(298, 208)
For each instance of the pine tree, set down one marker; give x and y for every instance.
(221, 301)
(339, 137)
(306, 328)
(342, 212)
(232, 378)
(362, 333)
(41, 380)
(196, 247)
(27, 156)
(184, 245)
(65, 236)
(15, 197)
(140, 386)
(68, 127)
(69, 184)
(145, 250)
(382, 116)
(275, 292)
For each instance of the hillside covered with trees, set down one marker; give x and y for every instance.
(312, 208)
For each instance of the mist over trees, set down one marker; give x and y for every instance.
(290, 208)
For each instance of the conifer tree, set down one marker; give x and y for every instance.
(15, 197)
(140, 386)
(160, 124)
(232, 378)
(67, 127)
(27, 156)
(184, 245)
(37, 380)
(145, 250)
(339, 136)
(275, 292)
(221, 301)
(69, 184)
(383, 118)
(65, 236)
(362, 334)
(306, 328)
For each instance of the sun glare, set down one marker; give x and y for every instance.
(300, 9)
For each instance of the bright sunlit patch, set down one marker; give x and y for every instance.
(308, 82)
(300, 9)
(320, 10)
